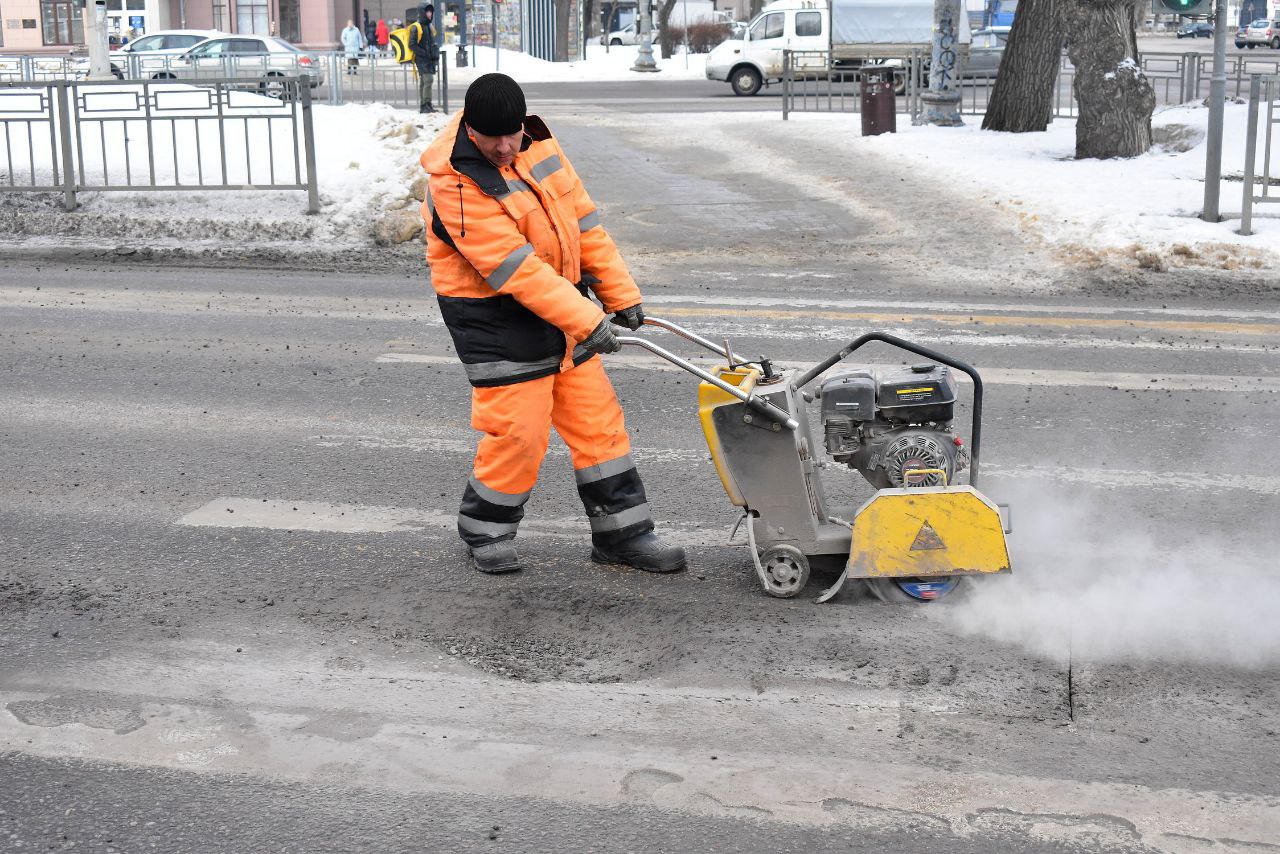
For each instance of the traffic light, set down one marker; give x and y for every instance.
(1185, 7)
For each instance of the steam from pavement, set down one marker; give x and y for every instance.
(1111, 589)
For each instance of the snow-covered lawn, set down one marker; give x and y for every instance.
(1151, 202)
(599, 66)
(1143, 208)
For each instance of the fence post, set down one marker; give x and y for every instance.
(335, 80)
(786, 82)
(309, 149)
(64, 133)
(444, 81)
(1250, 153)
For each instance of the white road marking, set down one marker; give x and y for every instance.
(990, 376)
(282, 515)
(320, 516)
(933, 307)
(1198, 482)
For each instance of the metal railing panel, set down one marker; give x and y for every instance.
(108, 136)
(1264, 90)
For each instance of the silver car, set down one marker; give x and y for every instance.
(985, 52)
(1263, 33)
(263, 58)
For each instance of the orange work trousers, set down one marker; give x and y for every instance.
(516, 421)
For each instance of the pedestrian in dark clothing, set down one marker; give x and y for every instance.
(426, 55)
(370, 32)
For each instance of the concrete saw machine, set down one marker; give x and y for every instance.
(917, 536)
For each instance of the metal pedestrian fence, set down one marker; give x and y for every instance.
(811, 82)
(379, 79)
(1263, 89)
(157, 135)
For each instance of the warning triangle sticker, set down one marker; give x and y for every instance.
(927, 539)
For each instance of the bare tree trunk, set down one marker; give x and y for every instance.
(1115, 98)
(664, 32)
(1022, 98)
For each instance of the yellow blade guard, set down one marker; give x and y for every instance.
(927, 532)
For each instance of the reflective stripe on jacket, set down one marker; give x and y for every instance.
(512, 254)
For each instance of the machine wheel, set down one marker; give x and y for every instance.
(616, 43)
(164, 75)
(905, 591)
(786, 571)
(1275, 43)
(745, 80)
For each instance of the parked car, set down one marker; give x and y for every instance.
(157, 51)
(985, 52)
(1197, 30)
(630, 34)
(261, 58)
(1263, 33)
(147, 55)
(1240, 34)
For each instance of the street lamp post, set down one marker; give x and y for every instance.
(1217, 100)
(942, 98)
(644, 59)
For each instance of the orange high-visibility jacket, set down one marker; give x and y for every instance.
(513, 253)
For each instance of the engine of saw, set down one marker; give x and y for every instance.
(886, 423)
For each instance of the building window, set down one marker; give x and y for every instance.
(62, 22)
(253, 16)
(220, 15)
(290, 22)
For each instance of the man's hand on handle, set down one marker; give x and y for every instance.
(632, 318)
(602, 339)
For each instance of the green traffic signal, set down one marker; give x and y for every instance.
(1180, 6)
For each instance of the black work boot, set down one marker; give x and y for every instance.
(496, 558)
(643, 551)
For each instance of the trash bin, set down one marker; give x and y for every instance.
(879, 104)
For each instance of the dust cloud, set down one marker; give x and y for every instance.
(1110, 589)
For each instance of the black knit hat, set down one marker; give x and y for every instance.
(494, 105)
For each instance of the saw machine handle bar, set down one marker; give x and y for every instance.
(689, 335)
(975, 440)
(761, 407)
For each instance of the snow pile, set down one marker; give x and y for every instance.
(599, 66)
(1146, 206)
(366, 164)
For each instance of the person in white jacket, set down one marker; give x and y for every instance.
(352, 44)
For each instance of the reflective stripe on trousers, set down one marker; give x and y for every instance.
(516, 421)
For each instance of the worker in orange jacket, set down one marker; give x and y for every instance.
(516, 248)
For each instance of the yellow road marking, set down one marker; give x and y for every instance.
(1192, 326)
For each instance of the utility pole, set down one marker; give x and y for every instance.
(1217, 99)
(94, 17)
(644, 59)
(942, 98)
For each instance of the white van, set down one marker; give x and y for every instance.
(876, 30)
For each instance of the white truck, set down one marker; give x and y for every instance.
(844, 35)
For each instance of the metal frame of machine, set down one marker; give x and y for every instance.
(915, 537)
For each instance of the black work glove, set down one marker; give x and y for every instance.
(602, 339)
(632, 318)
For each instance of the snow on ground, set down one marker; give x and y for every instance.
(1143, 208)
(599, 66)
(1150, 202)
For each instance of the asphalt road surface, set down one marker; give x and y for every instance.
(234, 614)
